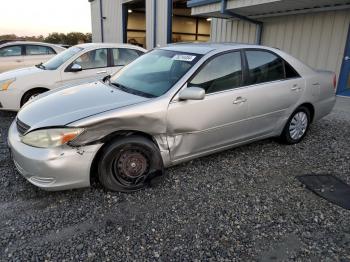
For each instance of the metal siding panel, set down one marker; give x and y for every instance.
(112, 10)
(246, 29)
(252, 34)
(95, 21)
(305, 38)
(280, 35)
(223, 30)
(149, 24)
(229, 31)
(335, 43)
(162, 11)
(325, 36)
(240, 30)
(234, 31)
(315, 39)
(289, 33)
(342, 39)
(214, 29)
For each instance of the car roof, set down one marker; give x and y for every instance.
(204, 48)
(110, 45)
(27, 43)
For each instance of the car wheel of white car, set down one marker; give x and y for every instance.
(31, 94)
(297, 126)
(129, 164)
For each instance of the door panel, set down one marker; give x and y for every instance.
(218, 120)
(199, 126)
(270, 102)
(10, 63)
(274, 88)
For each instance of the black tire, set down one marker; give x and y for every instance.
(30, 94)
(129, 164)
(286, 136)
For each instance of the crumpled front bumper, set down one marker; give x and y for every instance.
(60, 168)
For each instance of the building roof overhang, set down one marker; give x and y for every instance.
(263, 8)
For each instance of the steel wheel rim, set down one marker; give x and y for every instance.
(298, 125)
(131, 167)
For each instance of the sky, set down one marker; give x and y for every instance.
(41, 17)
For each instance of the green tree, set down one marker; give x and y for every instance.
(88, 37)
(56, 38)
(75, 38)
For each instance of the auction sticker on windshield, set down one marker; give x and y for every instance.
(187, 58)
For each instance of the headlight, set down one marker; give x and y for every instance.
(4, 85)
(47, 138)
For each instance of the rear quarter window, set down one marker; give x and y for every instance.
(264, 67)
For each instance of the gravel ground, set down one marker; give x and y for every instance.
(242, 204)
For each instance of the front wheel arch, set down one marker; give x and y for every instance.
(32, 91)
(109, 139)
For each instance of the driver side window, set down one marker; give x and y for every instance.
(222, 73)
(93, 59)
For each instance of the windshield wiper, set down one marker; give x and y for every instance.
(41, 66)
(132, 91)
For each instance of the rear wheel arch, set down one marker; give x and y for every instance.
(311, 109)
(30, 92)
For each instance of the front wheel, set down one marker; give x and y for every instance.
(297, 126)
(129, 164)
(31, 95)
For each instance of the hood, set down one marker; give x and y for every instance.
(20, 72)
(71, 104)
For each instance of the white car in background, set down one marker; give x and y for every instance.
(21, 54)
(78, 64)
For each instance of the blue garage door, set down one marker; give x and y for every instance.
(344, 78)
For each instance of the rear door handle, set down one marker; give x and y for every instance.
(239, 100)
(101, 72)
(19, 61)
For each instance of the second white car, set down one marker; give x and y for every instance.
(78, 64)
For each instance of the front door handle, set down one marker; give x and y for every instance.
(101, 72)
(239, 100)
(295, 88)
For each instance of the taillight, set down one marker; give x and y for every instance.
(335, 81)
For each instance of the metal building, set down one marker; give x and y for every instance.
(148, 23)
(315, 31)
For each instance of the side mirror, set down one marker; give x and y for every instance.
(75, 68)
(192, 93)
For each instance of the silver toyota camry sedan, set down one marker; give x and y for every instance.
(170, 105)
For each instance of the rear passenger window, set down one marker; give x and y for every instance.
(264, 67)
(39, 50)
(221, 73)
(123, 56)
(14, 50)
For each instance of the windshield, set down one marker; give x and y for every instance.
(61, 58)
(154, 73)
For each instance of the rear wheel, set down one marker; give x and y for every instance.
(297, 126)
(129, 164)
